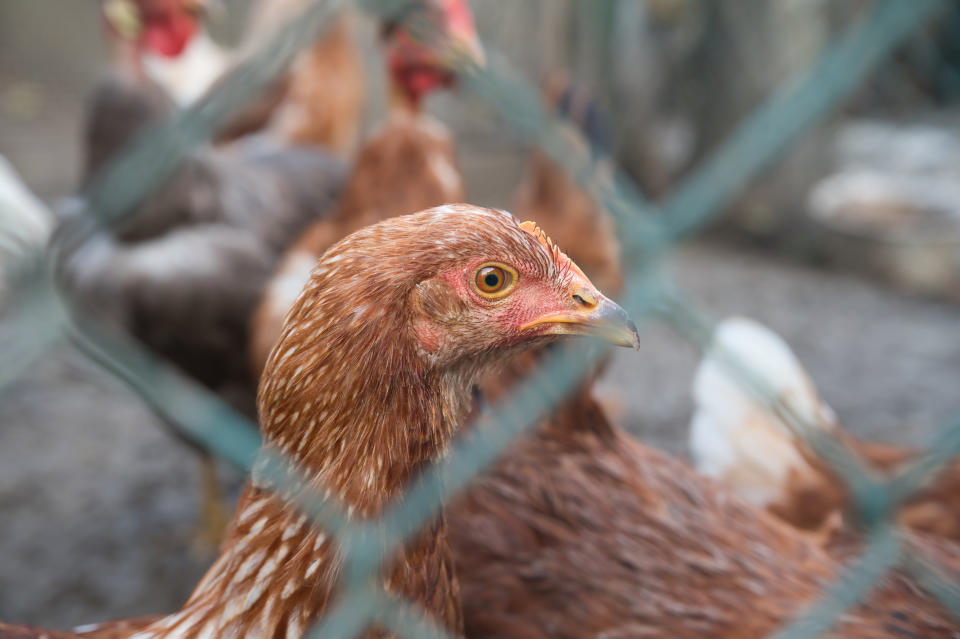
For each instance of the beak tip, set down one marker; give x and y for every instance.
(473, 51)
(616, 326)
(636, 335)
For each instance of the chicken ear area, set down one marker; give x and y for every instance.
(434, 304)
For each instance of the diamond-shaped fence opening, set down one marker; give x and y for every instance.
(646, 230)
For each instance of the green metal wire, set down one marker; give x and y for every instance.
(932, 581)
(646, 231)
(881, 553)
(791, 110)
(33, 322)
(204, 418)
(859, 48)
(408, 621)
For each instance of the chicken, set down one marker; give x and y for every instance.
(185, 272)
(406, 165)
(581, 531)
(441, 295)
(309, 112)
(168, 41)
(737, 440)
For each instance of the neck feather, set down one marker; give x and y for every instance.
(361, 426)
(362, 432)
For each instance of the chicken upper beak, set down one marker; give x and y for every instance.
(463, 47)
(595, 316)
(124, 18)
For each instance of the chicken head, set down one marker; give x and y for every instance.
(421, 60)
(161, 27)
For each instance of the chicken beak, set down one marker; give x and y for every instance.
(123, 16)
(595, 316)
(464, 49)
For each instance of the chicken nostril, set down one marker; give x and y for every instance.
(579, 300)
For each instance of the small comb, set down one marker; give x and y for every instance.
(531, 227)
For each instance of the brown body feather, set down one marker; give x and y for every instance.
(319, 100)
(818, 500)
(585, 532)
(323, 102)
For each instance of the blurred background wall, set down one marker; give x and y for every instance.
(675, 76)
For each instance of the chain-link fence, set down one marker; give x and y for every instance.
(42, 316)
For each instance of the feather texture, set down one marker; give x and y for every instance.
(361, 402)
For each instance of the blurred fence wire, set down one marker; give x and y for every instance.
(647, 231)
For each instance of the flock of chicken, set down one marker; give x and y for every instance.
(266, 258)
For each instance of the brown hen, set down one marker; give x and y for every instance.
(369, 381)
(584, 532)
(320, 100)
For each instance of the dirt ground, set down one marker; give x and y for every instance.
(98, 503)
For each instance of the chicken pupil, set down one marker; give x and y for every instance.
(491, 279)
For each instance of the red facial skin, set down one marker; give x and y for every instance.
(416, 69)
(168, 33)
(532, 297)
(167, 27)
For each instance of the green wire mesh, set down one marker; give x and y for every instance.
(647, 231)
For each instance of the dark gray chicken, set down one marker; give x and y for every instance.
(184, 272)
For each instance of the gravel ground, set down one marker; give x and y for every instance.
(98, 502)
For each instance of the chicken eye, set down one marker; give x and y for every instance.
(494, 280)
